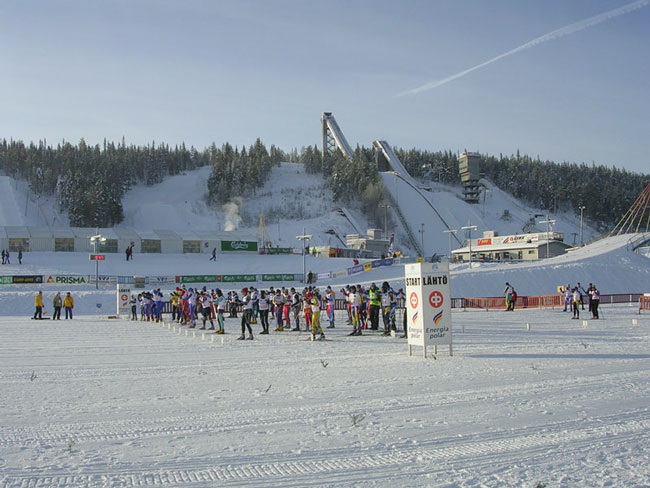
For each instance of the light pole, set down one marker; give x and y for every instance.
(450, 232)
(304, 238)
(470, 228)
(95, 240)
(385, 206)
(582, 208)
(548, 223)
(421, 231)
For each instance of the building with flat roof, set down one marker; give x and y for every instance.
(517, 247)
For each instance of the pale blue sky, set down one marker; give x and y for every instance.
(232, 71)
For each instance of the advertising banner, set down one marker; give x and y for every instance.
(367, 266)
(291, 277)
(278, 250)
(6, 280)
(323, 276)
(428, 304)
(27, 279)
(66, 279)
(104, 280)
(239, 246)
(378, 263)
(197, 279)
(271, 277)
(355, 269)
(238, 278)
(339, 274)
(162, 280)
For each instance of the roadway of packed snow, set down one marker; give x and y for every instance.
(97, 402)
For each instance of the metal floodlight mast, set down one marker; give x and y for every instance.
(450, 232)
(385, 206)
(470, 228)
(304, 237)
(582, 208)
(548, 223)
(95, 239)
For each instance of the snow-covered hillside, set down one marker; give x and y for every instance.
(291, 200)
(497, 211)
(20, 207)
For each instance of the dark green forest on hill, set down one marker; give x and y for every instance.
(90, 181)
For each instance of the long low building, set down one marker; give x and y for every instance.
(117, 239)
(517, 247)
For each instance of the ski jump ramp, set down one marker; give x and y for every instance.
(333, 139)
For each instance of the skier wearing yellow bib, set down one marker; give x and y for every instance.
(315, 316)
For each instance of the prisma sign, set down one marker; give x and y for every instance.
(428, 308)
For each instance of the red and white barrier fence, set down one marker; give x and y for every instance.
(644, 303)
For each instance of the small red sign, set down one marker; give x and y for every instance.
(413, 299)
(97, 257)
(435, 299)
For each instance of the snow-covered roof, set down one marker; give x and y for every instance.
(167, 234)
(17, 231)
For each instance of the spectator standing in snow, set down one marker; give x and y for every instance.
(263, 307)
(134, 307)
(57, 303)
(595, 301)
(214, 255)
(513, 299)
(68, 304)
(583, 292)
(3, 256)
(576, 303)
(20, 256)
(220, 300)
(567, 296)
(7, 257)
(508, 293)
(38, 304)
(247, 313)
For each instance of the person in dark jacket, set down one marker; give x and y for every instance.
(57, 303)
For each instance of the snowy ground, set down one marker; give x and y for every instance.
(94, 402)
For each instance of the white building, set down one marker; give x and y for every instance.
(517, 247)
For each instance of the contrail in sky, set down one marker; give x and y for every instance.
(556, 34)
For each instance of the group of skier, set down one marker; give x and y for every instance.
(574, 299)
(288, 307)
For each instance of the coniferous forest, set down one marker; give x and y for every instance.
(90, 181)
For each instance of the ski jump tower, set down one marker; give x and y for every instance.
(333, 138)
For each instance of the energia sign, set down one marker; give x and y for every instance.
(428, 305)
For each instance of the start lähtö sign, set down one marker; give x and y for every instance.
(428, 305)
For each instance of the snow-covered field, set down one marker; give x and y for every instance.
(104, 403)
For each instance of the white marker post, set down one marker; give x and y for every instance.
(428, 305)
